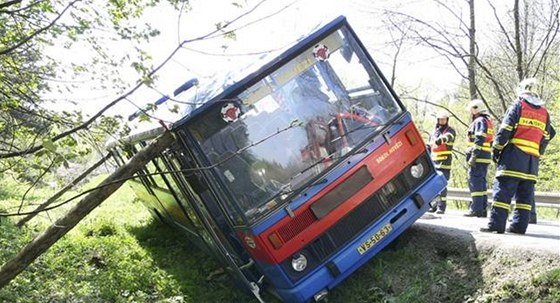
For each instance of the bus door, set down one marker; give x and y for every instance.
(216, 231)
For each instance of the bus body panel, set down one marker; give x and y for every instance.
(349, 259)
(393, 156)
(304, 197)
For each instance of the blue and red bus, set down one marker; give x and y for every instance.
(295, 174)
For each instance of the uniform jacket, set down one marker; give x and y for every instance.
(441, 154)
(480, 135)
(523, 136)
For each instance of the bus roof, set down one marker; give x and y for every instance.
(234, 83)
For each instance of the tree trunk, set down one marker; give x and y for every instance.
(472, 53)
(63, 225)
(518, 50)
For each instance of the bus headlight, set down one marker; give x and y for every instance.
(417, 170)
(299, 262)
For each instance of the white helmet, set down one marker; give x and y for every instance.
(442, 114)
(527, 86)
(476, 106)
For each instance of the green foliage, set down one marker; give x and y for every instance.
(31, 33)
(116, 254)
(120, 254)
(548, 284)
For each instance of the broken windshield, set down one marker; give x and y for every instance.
(293, 124)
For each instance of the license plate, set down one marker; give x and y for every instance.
(369, 243)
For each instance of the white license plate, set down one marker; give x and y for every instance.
(369, 243)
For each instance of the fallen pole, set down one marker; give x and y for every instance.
(62, 191)
(52, 234)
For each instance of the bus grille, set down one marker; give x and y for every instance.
(297, 225)
(360, 218)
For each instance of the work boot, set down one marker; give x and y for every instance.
(533, 220)
(513, 230)
(478, 214)
(490, 230)
(440, 211)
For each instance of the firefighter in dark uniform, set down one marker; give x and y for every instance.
(522, 138)
(441, 145)
(480, 135)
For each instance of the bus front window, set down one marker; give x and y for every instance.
(289, 127)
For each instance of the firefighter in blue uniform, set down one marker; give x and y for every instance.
(522, 138)
(441, 145)
(480, 135)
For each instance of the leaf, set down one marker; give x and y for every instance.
(49, 145)
(143, 118)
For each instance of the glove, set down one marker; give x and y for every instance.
(472, 160)
(496, 154)
(439, 141)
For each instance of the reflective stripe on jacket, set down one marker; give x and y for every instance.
(441, 154)
(516, 161)
(530, 128)
(481, 135)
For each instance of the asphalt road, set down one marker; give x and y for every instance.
(543, 236)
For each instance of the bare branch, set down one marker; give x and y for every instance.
(88, 122)
(45, 171)
(9, 3)
(502, 28)
(62, 191)
(436, 105)
(547, 41)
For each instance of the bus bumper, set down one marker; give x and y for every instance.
(349, 259)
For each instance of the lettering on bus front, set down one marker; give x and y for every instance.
(386, 154)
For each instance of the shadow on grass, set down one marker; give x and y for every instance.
(201, 278)
(421, 265)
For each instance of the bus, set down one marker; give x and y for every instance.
(295, 174)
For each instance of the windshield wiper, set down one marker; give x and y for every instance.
(319, 181)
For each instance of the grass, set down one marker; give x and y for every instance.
(119, 254)
(116, 254)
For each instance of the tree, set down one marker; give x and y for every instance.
(55, 136)
(522, 39)
(56, 231)
(516, 40)
(36, 136)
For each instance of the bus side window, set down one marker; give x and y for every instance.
(192, 197)
(182, 203)
(118, 157)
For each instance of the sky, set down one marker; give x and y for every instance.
(271, 24)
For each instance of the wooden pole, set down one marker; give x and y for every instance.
(62, 191)
(63, 225)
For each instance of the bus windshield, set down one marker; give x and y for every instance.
(297, 120)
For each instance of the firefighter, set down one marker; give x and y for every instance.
(441, 145)
(521, 140)
(480, 135)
